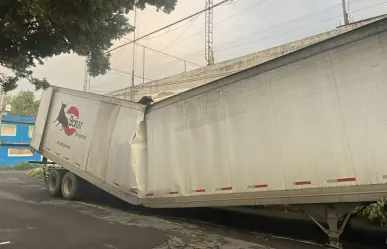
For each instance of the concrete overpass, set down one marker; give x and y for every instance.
(175, 84)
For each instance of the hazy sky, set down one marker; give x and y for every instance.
(240, 28)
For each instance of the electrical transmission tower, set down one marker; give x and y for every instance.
(86, 82)
(209, 32)
(132, 95)
(345, 13)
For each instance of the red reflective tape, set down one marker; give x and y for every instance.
(261, 186)
(200, 190)
(173, 193)
(226, 188)
(303, 183)
(349, 179)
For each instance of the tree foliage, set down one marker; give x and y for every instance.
(24, 104)
(33, 30)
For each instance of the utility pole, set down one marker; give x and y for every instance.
(345, 13)
(209, 32)
(134, 50)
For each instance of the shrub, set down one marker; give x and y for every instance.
(376, 212)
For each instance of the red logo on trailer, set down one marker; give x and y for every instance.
(68, 118)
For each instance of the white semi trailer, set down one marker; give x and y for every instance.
(307, 129)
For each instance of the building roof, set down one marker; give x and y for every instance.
(17, 119)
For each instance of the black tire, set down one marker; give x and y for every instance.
(54, 182)
(71, 186)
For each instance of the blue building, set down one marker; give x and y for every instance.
(15, 137)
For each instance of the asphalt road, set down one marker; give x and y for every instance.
(29, 218)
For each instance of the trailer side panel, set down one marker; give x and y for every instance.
(309, 131)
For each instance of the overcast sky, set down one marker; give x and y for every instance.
(240, 28)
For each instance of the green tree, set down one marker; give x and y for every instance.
(24, 104)
(33, 30)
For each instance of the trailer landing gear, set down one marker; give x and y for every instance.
(336, 216)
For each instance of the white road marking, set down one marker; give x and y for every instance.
(110, 246)
(287, 238)
(90, 205)
(5, 243)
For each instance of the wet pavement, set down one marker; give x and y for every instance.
(29, 218)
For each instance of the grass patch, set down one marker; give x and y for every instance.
(21, 166)
(36, 173)
(34, 170)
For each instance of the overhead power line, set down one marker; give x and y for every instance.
(303, 18)
(211, 76)
(175, 40)
(190, 22)
(218, 22)
(163, 53)
(287, 31)
(249, 8)
(170, 25)
(308, 19)
(124, 72)
(294, 29)
(369, 7)
(169, 31)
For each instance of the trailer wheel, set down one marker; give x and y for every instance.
(54, 182)
(71, 186)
